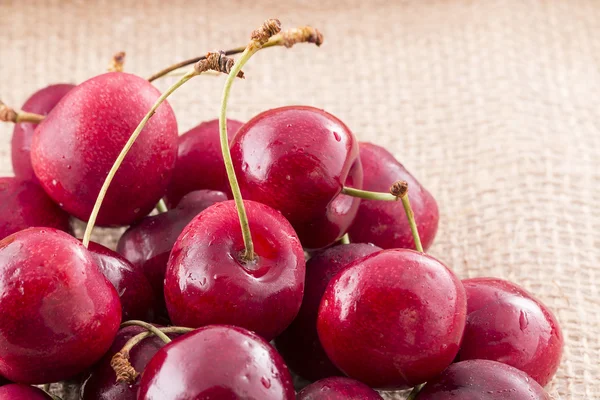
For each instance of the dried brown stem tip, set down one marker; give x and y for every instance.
(216, 61)
(399, 189)
(304, 34)
(270, 27)
(117, 62)
(7, 114)
(123, 368)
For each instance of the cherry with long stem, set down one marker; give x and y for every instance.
(8, 114)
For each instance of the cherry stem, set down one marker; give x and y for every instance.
(367, 195)
(156, 331)
(413, 224)
(117, 63)
(161, 206)
(8, 114)
(345, 239)
(415, 392)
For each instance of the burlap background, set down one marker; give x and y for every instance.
(492, 104)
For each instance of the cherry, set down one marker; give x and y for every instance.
(338, 388)
(3, 381)
(59, 313)
(200, 161)
(148, 243)
(382, 222)
(208, 280)
(299, 344)
(393, 319)
(76, 144)
(135, 292)
(25, 204)
(41, 102)
(297, 159)
(507, 324)
(220, 362)
(102, 384)
(482, 380)
(17, 391)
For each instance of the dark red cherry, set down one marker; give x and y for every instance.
(59, 313)
(135, 292)
(148, 243)
(299, 344)
(297, 159)
(41, 102)
(17, 391)
(102, 384)
(507, 324)
(208, 282)
(338, 388)
(482, 380)
(393, 319)
(384, 223)
(200, 161)
(217, 362)
(25, 205)
(76, 145)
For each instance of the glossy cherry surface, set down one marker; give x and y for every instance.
(299, 344)
(384, 223)
(217, 362)
(200, 161)
(507, 324)
(297, 159)
(59, 313)
(207, 282)
(393, 319)
(338, 388)
(41, 102)
(75, 146)
(482, 380)
(136, 294)
(102, 384)
(25, 205)
(148, 243)
(16, 391)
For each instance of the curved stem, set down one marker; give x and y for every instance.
(161, 206)
(415, 392)
(235, 187)
(367, 195)
(411, 221)
(124, 151)
(345, 239)
(156, 331)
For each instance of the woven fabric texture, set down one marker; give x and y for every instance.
(493, 105)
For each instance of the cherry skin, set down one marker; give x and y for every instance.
(299, 344)
(102, 384)
(217, 362)
(76, 145)
(200, 161)
(297, 159)
(16, 391)
(507, 324)
(393, 319)
(25, 205)
(338, 388)
(384, 223)
(41, 102)
(208, 282)
(59, 313)
(147, 244)
(135, 292)
(482, 380)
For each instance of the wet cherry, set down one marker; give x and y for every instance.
(16, 391)
(338, 388)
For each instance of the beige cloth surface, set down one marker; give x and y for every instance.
(493, 105)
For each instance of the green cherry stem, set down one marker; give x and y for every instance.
(415, 392)
(161, 206)
(345, 239)
(153, 329)
(411, 221)
(367, 195)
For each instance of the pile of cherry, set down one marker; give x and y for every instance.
(318, 259)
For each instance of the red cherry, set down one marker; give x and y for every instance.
(147, 244)
(393, 319)
(217, 362)
(25, 205)
(297, 159)
(200, 161)
(41, 102)
(75, 146)
(383, 223)
(59, 313)
(16, 391)
(338, 388)
(208, 282)
(135, 292)
(507, 324)
(482, 380)
(299, 344)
